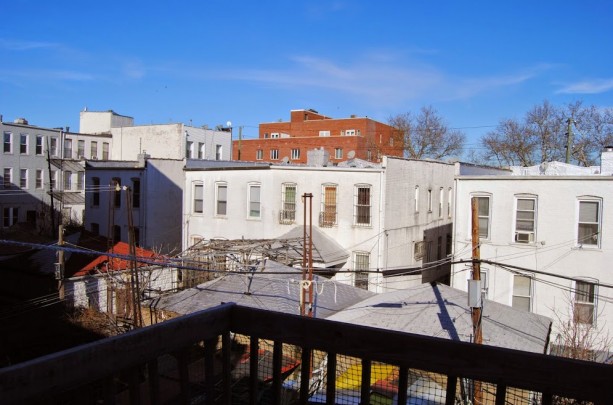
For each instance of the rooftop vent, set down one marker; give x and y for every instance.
(21, 121)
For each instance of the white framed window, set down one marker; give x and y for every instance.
(484, 215)
(338, 153)
(201, 150)
(80, 149)
(80, 180)
(525, 219)
(53, 179)
(93, 150)
(105, 151)
(8, 142)
(23, 144)
(485, 282)
(39, 178)
(189, 150)
(10, 216)
(416, 199)
(274, 154)
(441, 197)
(53, 146)
(588, 222)
(67, 148)
(288, 203)
(221, 198)
(328, 213)
(429, 200)
(584, 302)
(254, 201)
(274, 135)
(218, 152)
(23, 178)
(67, 180)
(7, 177)
(349, 132)
(259, 154)
(198, 201)
(295, 154)
(362, 205)
(361, 265)
(39, 145)
(522, 292)
(324, 133)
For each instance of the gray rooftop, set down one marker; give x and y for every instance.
(441, 311)
(274, 288)
(193, 164)
(325, 249)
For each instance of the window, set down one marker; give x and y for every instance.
(8, 142)
(429, 200)
(324, 133)
(136, 193)
(254, 201)
(8, 177)
(585, 302)
(39, 144)
(23, 178)
(449, 245)
(80, 149)
(67, 180)
(105, 151)
(39, 178)
(221, 207)
(10, 216)
(136, 232)
(95, 228)
(259, 154)
(201, 150)
(349, 132)
(53, 179)
(274, 135)
(189, 150)
(295, 154)
(288, 203)
(362, 203)
(522, 292)
(525, 220)
(218, 155)
(198, 199)
(96, 191)
(80, 180)
(483, 212)
(328, 205)
(588, 231)
(23, 144)
(116, 233)
(338, 153)
(116, 184)
(53, 146)
(93, 150)
(449, 197)
(274, 154)
(361, 265)
(416, 198)
(485, 283)
(419, 249)
(67, 148)
(441, 197)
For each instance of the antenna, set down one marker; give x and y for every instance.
(351, 154)
(285, 160)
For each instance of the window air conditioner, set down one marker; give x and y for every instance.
(524, 237)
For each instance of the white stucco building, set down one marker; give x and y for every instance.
(548, 222)
(390, 218)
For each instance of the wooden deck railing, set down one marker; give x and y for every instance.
(191, 360)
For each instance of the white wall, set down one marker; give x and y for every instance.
(101, 122)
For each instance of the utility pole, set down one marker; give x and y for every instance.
(569, 139)
(476, 275)
(59, 271)
(307, 259)
(50, 190)
(240, 138)
(134, 281)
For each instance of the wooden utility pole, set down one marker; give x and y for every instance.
(60, 263)
(569, 139)
(306, 307)
(134, 279)
(476, 311)
(52, 208)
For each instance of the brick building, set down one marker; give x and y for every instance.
(343, 138)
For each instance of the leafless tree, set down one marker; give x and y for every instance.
(426, 135)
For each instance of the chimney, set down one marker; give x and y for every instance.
(142, 159)
(606, 161)
(318, 157)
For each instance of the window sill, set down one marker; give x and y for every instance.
(589, 248)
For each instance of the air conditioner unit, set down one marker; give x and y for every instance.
(524, 237)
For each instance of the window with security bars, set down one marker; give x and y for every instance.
(522, 292)
(362, 207)
(588, 227)
(222, 199)
(295, 154)
(274, 154)
(361, 264)
(288, 203)
(198, 206)
(328, 206)
(585, 302)
(525, 220)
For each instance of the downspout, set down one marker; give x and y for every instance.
(381, 264)
(454, 230)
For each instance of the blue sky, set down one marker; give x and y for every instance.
(209, 62)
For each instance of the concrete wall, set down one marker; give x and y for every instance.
(101, 122)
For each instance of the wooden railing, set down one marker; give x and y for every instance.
(190, 360)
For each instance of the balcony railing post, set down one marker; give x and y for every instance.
(277, 364)
(403, 382)
(226, 351)
(365, 385)
(253, 370)
(305, 375)
(154, 382)
(331, 379)
(210, 345)
(452, 385)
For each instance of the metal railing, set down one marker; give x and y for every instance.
(194, 359)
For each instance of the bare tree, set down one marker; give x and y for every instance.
(426, 135)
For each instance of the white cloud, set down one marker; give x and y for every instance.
(16, 45)
(588, 87)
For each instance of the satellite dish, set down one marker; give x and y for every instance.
(351, 154)
(285, 160)
(229, 124)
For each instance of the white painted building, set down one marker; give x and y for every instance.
(550, 223)
(381, 214)
(156, 187)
